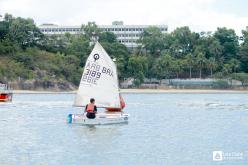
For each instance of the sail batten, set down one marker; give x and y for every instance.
(99, 80)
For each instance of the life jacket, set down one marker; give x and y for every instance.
(90, 108)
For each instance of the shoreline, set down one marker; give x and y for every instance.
(182, 91)
(40, 92)
(145, 91)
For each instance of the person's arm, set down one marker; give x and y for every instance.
(85, 108)
(95, 109)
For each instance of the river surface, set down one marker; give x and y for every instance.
(163, 129)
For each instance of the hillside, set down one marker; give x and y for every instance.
(31, 60)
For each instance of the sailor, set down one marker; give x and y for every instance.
(91, 109)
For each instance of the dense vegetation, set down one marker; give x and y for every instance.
(26, 54)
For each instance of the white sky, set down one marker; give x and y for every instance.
(199, 15)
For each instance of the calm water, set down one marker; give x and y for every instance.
(163, 129)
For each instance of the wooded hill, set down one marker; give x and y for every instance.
(33, 60)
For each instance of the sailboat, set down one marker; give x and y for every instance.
(5, 93)
(99, 81)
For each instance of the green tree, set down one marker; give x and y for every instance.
(215, 49)
(79, 47)
(137, 68)
(227, 69)
(68, 37)
(107, 37)
(244, 57)
(24, 32)
(229, 40)
(211, 64)
(163, 66)
(184, 41)
(242, 77)
(4, 29)
(190, 59)
(152, 40)
(234, 64)
(243, 53)
(91, 30)
(201, 60)
(55, 43)
(8, 48)
(177, 66)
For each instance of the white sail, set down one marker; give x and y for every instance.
(99, 80)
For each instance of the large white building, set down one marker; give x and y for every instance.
(126, 34)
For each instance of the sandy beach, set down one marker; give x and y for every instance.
(145, 91)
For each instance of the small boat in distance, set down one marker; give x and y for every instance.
(5, 93)
(99, 81)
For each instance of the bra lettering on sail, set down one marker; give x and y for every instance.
(99, 80)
